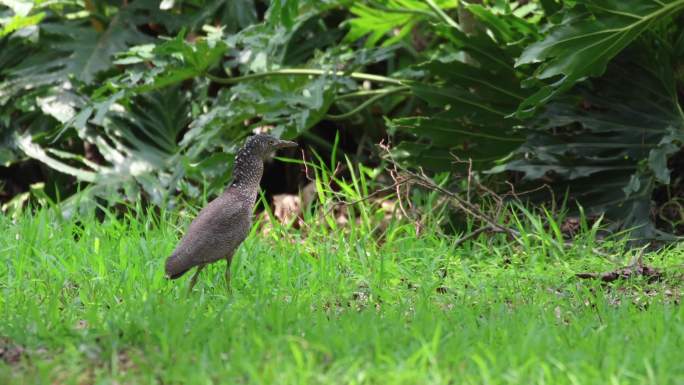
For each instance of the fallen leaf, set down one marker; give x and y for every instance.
(635, 270)
(287, 208)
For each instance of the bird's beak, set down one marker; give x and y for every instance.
(285, 144)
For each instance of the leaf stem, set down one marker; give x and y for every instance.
(413, 11)
(367, 103)
(308, 72)
(372, 92)
(442, 15)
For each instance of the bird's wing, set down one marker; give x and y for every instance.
(216, 231)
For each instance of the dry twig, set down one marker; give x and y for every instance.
(421, 179)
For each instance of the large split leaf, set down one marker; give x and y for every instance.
(290, 105)
(74, 50)
(589, 36)
(607, 145)
(174, 61)
(155, 141)
(470, 106)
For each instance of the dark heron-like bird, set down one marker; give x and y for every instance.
(224, 223)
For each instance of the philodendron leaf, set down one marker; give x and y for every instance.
(657, 158)
(657, 161)
(589, 36)
(607, 145)
(33, 150)
(85, 52)
(470, 107)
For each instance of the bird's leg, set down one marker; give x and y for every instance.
(227, 274)
(193, 281)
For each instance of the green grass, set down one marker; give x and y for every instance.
(88, 303)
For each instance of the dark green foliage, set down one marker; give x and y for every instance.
(137, 99)
(602, 137)
(608, 145)
(589, 36)
(469, 106)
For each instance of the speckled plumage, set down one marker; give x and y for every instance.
(224, 223)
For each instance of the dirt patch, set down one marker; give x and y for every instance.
(632, 271)
(651, 284)
(643, 297)
(11, 352)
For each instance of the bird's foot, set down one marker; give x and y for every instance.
(193, 280)
(229, 289)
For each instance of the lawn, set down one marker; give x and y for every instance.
(86, 302)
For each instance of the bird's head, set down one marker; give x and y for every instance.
(263, 145)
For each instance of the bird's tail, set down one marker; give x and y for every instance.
(176, 266)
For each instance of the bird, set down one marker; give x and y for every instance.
(221, 226)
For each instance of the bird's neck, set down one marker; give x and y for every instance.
(247, 174)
